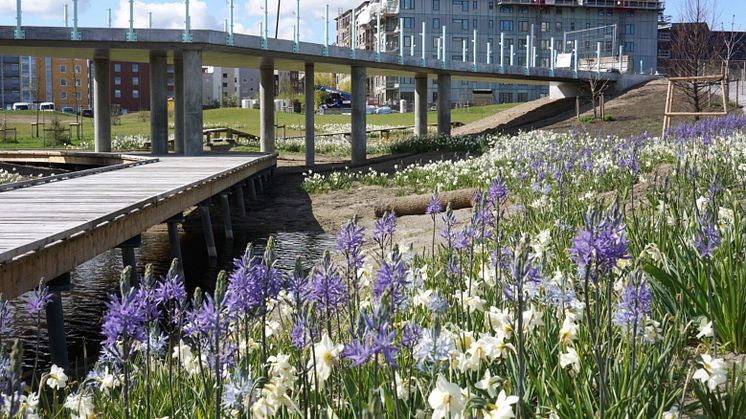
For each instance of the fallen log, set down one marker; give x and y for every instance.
(417, 204)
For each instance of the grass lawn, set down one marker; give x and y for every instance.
(242, 119)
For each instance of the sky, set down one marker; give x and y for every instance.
(248, 14)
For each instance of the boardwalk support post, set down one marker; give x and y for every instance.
(158, 103)
(227, 224)
(56, 321)
(102, 103)
(204, 210)
(259, 183)
(192, 64)
(128, 256)
(178, 103)
(174, 241)
(240, 200)
(252, 190)
(267, 108)
(310, 91)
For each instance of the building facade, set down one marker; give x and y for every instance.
(64, 81)
(526, 25)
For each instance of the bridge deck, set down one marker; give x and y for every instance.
(48, 229)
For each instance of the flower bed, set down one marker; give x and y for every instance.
(584, 284)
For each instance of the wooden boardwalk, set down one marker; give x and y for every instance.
(49, 229)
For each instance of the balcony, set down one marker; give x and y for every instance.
(623, 4)
(389, 7)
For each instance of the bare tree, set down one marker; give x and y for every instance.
(730, 43)
(692, 50)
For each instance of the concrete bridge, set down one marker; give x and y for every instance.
(189, 50)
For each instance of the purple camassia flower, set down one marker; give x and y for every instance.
(350, 242)
(326, 287)
(125, 320)
(250, 285)
(392, 281)
(301, 334)
(449, 221)
(602, 241)
(497, 194)
(171, 289)
(39, 301)
(375, 341)
(206, 320)
(411, 334)
(707, 237)
(385, 228)
(434, 206)
(637, 300)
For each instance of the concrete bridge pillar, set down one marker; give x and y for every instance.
(204, 210)
(102, 103)
(420, 105)
(267, 108)
(310, 89)
(192, 65)
(359, 110)
(178, 103)
(444, 104)
(562, 90)
(158, 103)
(56, 321)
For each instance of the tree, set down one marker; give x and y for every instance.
(729, 44)
(692, 49)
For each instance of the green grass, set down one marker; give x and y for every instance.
(242, 119)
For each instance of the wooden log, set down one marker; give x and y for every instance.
(417, 204)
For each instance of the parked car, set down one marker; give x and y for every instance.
(87, 113)
(46, 106)
(21, 106)
(68, 110)
(384, 110)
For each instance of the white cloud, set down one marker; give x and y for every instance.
(166, 15)
(47, 9)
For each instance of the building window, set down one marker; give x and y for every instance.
(117, 81)
(407, 4)
(523, 9)
(78, 96)
(474, 24)
(117, 93)
(135, 68)
(492, 24)
(407, 41)
(436, 23)
(474, 5)
(629, 29)
(436, 5)
(464, 6)
(63, 82)
(523, 97)
(135, 94)
(506, 97)
(558, 10)
(78, 83)
(523, 26)
(601, 12)
(63, 95)
(63, 68)
(545, 26)
(77, 69)
(408, 22)
(491, 5)
(572, 26)
(506, 9)
(629, 46)
(117, 68)
(506, 25)
(135, 81)
(558, 26)
(461, 23)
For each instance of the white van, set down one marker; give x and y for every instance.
(21, 106)
(46, 106)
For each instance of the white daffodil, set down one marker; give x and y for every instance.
(570, 358)
(568, 331)
(81, 405)
(532, 319)
(671, 414)
(57, 379)
(705, 328)
(503, 407)
(327, 354)
(488, 383)
(403, 387)
(500, 321)
(712, 373)
(446, 399)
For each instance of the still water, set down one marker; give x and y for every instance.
(96, 279)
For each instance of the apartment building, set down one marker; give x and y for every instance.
(524, 24)
(11, 85)
(64, 81)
